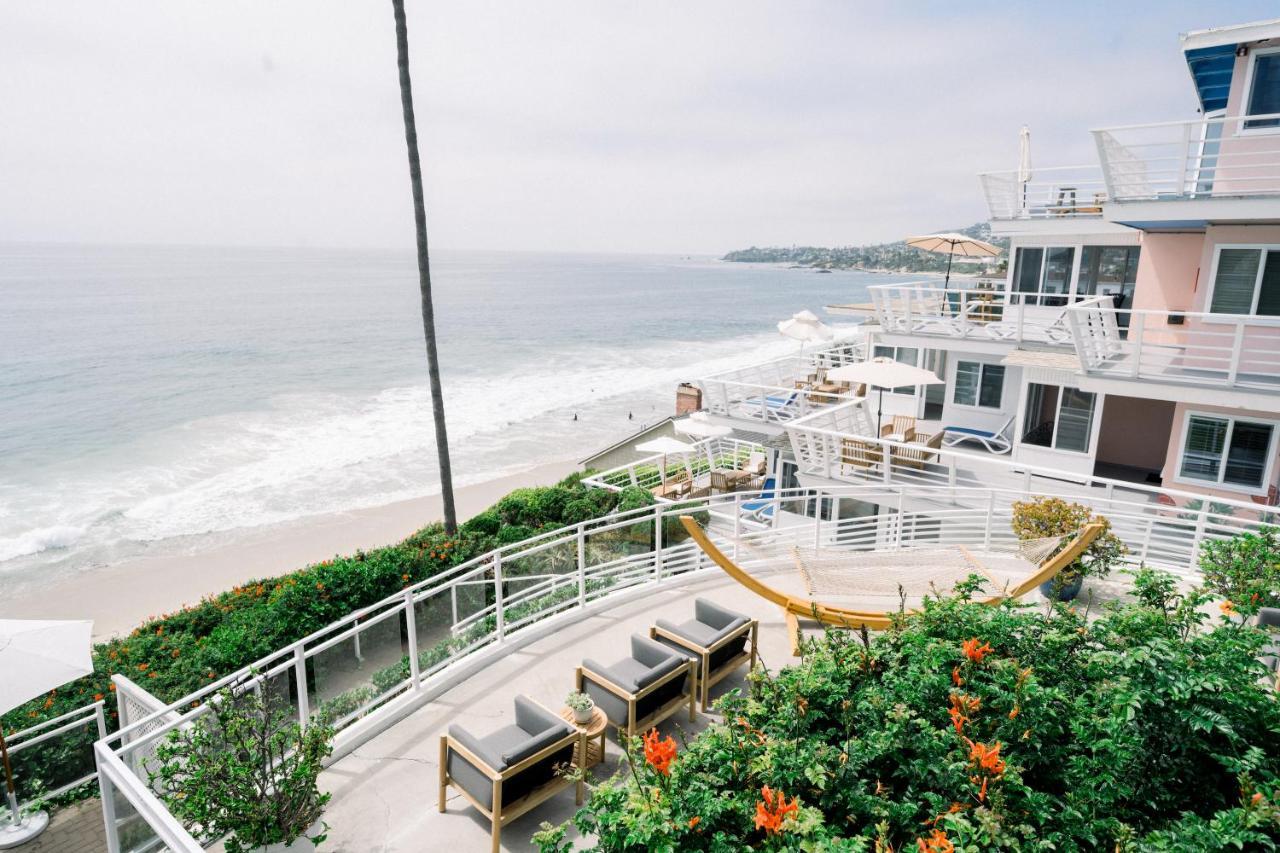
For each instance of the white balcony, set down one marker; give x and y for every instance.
(779, 391)
(984, 317)
(1219, 352)
(1056, 193)
(1204, 161)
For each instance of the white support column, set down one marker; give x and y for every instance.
(107, 789)
(1137, 331)
(657, 542)
(499, 594)
(1237, 348)
(411, 625)
(300, 681)
(582, 566)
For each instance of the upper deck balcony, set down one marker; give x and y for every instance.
(1186, 173)
(985, 319)
(1058, 194)
(778, 391)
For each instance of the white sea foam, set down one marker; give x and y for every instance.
(39, 540)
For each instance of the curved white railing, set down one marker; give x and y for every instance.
(371, 668)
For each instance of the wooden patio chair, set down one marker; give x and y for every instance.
(860, 454)
(901, 425)
(513, 770)
(640, 691)
(716, 640)
(913, 458)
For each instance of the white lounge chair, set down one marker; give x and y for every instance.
(994, 441)
(1053, 331)
(778, 407)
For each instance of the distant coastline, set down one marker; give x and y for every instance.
(890, 258)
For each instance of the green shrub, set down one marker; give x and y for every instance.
(1044, 517)
(1244, 569)
(634, 497)
(971, 728)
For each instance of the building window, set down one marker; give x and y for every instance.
(978, 384)
(905, 355)
(1059, 417)
(1264, 89)
(1226, 451)
(1246, 280)
(1045, 272)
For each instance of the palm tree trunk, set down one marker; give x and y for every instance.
(424, 268)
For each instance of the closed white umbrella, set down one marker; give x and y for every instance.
(1024, 162)
(36, 656)
(698, 424)
(664, 445)
(952, 244)
(883, 373)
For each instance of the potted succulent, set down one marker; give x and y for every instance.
(582, 705)
(1044, 517)
(246, 771)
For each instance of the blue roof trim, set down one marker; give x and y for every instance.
(1211, 69)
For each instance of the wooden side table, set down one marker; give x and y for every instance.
(593, 732)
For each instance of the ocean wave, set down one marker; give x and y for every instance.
(39, 540)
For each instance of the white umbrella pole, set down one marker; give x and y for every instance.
(879, 409)
(11, 793)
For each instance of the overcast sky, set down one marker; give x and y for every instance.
(599, 125)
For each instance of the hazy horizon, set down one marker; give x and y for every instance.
(579, 126)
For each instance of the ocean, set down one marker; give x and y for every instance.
(157, 397)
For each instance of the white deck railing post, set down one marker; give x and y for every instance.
(582, 565)
(991, 511)
(1201, 522)
(411, 625)
(300, 681)
(1137, 331)
(1237, 348)
(737, 523)
(657, 542)
(500, 626)
(107, 791)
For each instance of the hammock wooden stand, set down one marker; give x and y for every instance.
(795, 608)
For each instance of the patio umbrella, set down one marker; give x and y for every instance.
(35, 657)
(952, 244)
(883, 373)
(806, 328)
(1024, 162)
(701, 426)
(664, 445)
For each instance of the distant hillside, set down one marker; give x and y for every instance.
(881, 257)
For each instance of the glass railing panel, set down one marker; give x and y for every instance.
(351, 676)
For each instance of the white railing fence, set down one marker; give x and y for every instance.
(708, 454)
(1056, 192)
(777, 391)
(55, 756)
(1184, 347)
(1232, 156)
(370, 669)
(973, 314)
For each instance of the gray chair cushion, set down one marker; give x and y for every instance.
(709, 613)
(481, 747)
(648, 652)
(672, 662)
(532, 743)
(535, 719)
(623, 673)
(700, 632)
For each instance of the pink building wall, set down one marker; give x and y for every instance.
(1245, 161)
(1170, 472)
(1168, 271)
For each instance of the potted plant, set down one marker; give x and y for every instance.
(248, 771)
(1045, 517)
(582, 705)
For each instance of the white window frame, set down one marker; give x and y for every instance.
(1265, 248)
(1094, 419)
(920, 355)
(977, 405)
(1247, 94)
(1077, 249)
(1267, 473)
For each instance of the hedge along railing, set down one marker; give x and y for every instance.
(372, 668)
(69, 738)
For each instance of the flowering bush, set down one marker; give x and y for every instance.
(1044, 517)
(1244, 569)
(967, 727)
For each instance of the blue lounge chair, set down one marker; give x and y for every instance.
(777, 407)
(761, 509)
(996, 442)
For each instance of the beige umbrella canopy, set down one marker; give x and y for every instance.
(664, 444)
(952, 244)
(882, 373)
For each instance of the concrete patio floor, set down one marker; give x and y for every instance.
(384, 793)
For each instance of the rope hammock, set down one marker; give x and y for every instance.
(837, 573)
(917, 571)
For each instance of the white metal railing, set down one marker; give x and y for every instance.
(1053, 193)
(1181, 347)
(780, 390)
(55, 756)
(1227, 156)
(450, 625)
(724, 453)
(985, 314)
(827, 444)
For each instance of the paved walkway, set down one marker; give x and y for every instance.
(384, 793)
(75, 829)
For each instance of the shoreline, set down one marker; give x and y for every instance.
(120, 597)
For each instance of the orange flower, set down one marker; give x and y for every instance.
(694, 821)
(112, 687)
(319, 585)
(958, 720)
(142, 667)
(773, 810)
(1227, 608)
(659, 753)
(97, 697)
(975, 650)
(936, 843)
(955, 677)
(987, 757)
(1256, 798)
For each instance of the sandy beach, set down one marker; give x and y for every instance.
(117, 598)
